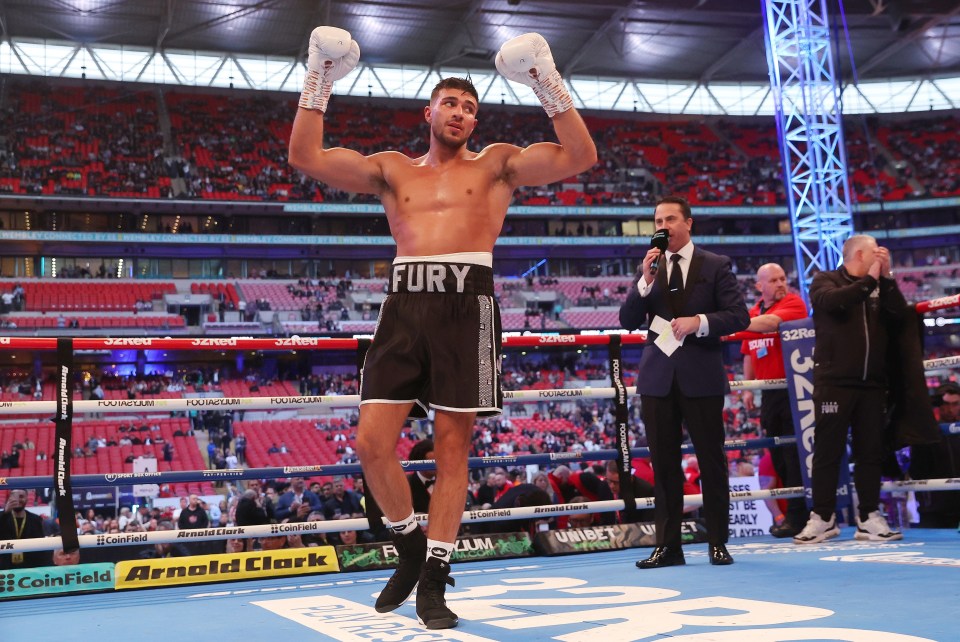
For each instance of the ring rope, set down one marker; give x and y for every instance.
(342, 401)
(228, 474)
(474, 516)
(323, 401)
(317, 401)
(179, 476)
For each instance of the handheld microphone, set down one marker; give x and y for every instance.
(659, 240)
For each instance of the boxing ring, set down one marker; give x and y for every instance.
(838, 590)
(844, 590)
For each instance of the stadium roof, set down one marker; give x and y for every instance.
(693, 43)
(676, 39)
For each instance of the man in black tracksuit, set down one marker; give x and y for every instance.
(853, 307)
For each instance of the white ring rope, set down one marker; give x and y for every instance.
(346, 401)
(474, 516)
(319, 401)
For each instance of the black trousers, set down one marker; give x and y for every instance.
(703, 417)
(837, 410)
(776, 419)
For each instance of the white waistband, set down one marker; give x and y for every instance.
(472, 258)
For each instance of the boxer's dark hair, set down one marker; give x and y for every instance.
(463, 84)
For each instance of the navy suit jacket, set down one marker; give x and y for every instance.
(711, 289)
(283, 504)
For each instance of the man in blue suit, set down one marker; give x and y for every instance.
(297, 503)
(697, 299)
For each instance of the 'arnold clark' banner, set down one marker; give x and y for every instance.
(613, 537)
(198, 569)
(49, 580)
(469, 548)
(798, 338)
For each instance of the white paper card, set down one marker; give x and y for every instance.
(665, 339)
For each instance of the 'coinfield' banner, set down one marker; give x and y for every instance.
(174, 571)
(49, 580)
(798, 338)
(495, 546)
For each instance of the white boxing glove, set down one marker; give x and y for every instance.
(527, 59)
(332, 54)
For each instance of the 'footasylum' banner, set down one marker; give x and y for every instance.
(608, 538)
(495, 546)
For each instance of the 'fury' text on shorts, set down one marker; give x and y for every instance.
(428, 277)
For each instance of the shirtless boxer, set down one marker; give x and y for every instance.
(437, 343)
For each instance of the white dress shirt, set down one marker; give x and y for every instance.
(686, 255)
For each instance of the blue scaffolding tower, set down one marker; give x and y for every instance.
(810, 133)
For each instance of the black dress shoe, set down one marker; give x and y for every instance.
(663, 556)
(719, 555)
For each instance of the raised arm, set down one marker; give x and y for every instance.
(527, 59)
(332, 55)
(829, 296)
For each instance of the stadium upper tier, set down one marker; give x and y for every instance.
(105, 141)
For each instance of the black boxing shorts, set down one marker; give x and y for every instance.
(437, 341)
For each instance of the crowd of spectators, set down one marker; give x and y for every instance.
(101, 141)
(928, 150)
(82, 141)
(323, 300)
(254, 502)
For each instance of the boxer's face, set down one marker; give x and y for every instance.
(452, 117)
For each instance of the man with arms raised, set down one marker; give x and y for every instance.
(438, 336)
(854, 308)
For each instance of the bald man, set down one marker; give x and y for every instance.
(763, 359)
(853, 307)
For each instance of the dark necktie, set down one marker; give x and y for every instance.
(675, 286)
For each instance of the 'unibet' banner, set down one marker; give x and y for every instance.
(48, 580)
(495, 546)
(608, 538)
(798, 338)
(173, 571)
